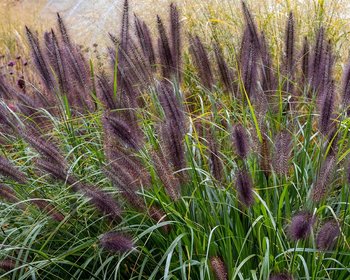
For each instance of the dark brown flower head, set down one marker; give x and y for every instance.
(159, 216)
(8, 194)
(165, 174)
(301, 225)
(226, 74)
(103, 202)
(39, 60)
(326, 108)
(290, 42)
(11, 64)
(327, 235)
(241, 141)
(281, 276)
(249, 64)
(322, 184)
(283, 150)
(7, 264)
(145, 40)
(215, 161)
(305, 68)
(346, 88)
(116, 242)
(8, 170)
(201, 61)
(268, 77)
(175, 39)
(47, 207)
(244, 187)
(164, 49)
(55, 170)
(219, 268)
(318, 57)
(251, 25)
(122, 131)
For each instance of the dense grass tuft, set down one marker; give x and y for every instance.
(187, 156)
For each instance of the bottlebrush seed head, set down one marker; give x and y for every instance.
(116, 242)
(281, 276)
(301, 225)
(327, 235)
(240, 140)
(7, 264)
(245, 188)
(219, 268)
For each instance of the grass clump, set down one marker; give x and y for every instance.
(182, 160)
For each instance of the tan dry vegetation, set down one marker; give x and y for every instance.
(89, 25)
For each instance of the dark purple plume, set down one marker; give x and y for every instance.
(171, 104)
(164, 171)
(219, 268)
(6, 89)
(120, 129)
(268, 76)
(289, 45)
(322, 184)
(103, 201)
(305, 64)
(241, 141)
(105, 92)
(120, 181)
(283, 150)
(173, 144)
(265, 155)
(47, 149)
(281, 276)
(289, 55)
(248, 64)
(54, 53)
(8, 194)
(346, 88)
(253, 30)
(327, 235)
(215, 161)
(322, 63)
(48, 208)
(173, 128)
(326, 109)
(124, 36)
(8, 170)
(57, 171)
(165, 55)
(145, 40)
(116, 242)
(301, 225)
(63, 31)
(201, 61)
(7, 264)
(244, 187)
(39, 60)
(175, 40)
(226, 73)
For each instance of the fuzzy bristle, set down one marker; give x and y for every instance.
(116, 242)
(327, 235)
(244, 187)
(323, 180)
(241, 141)
(281, 276)
(301, 225)
(219, 268)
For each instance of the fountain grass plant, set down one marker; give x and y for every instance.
(187, 157)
